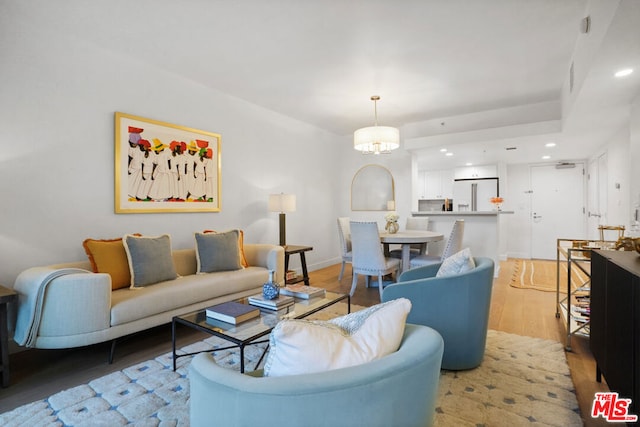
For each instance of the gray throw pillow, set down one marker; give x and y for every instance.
(218, 251)
(150, 259)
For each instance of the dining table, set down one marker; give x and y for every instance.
(406, 238)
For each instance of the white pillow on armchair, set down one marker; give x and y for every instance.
(306, 346)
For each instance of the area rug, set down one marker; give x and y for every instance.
(522, 380)
(541, 275)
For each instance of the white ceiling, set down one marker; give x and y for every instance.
(497, 65)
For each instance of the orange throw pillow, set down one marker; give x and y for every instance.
(243, 259)
(108, 256)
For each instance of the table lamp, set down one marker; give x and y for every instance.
(282, 203)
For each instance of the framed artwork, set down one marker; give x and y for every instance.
(162, 167)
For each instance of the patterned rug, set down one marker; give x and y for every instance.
(521, 381)
(541, 275)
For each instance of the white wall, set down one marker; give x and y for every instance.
(57, 100)
(618, 180)
(634, 148)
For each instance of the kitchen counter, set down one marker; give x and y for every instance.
(484, 232)
(460, 213)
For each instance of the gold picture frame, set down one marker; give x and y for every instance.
(162, 167)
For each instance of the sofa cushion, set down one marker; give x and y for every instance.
(243, 258)
(150, 259)
(187, 293)
(109, 256)
(457, 263)
(307, 346)
(217, 251)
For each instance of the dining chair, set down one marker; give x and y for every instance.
(367, 256)
(454, 244)
(414, 223)
(345, 243)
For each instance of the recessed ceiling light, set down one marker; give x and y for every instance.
(468, 164)
(624, 73)
(550, 144)
(443, 150)
(449, 154)
(546, 157)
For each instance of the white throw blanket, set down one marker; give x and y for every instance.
(31, 285)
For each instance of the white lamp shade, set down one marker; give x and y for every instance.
(376, 139)
(282, 202)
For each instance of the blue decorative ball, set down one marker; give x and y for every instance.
(270, 290)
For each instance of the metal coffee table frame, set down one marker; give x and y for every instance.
(247, 333)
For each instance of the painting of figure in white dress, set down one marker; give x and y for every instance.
(161, 167)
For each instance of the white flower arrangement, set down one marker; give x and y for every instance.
(392, 217)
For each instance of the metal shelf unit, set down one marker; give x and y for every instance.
(575, 252)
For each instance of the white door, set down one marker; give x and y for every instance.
(597, 196)
(557, 207)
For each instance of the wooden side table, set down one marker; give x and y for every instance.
(295, 249)
(6, 296)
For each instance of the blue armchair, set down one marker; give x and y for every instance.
(399, 389)
(456, 306)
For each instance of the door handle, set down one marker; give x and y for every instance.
(536, 216)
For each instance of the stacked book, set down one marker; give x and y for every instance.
(291, 275)
(232, 312)
(302, 291)
(581, 311)
(278, 303)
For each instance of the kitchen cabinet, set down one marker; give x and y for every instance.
(471, 172)
(436, 184)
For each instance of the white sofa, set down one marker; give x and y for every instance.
(77, 307)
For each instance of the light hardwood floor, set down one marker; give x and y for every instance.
(36, 374)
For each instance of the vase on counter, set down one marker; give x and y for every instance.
(497, 203)
(271, 289)
(392, 227)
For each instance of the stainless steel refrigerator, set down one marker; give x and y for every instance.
(476, 193)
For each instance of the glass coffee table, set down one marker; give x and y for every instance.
(250, 332)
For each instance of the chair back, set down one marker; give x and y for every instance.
(345, 235)
(366, 248)
(454, 243)
(417, 223)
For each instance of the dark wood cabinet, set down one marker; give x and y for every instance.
(615, 321)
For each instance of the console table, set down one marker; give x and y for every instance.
(295, 249)
(6, 296)
(615, 321)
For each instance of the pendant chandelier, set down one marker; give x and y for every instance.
(376, 139)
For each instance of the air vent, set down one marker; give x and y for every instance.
(511, 148)
(571, 78)
(565, 165)
(585, 25)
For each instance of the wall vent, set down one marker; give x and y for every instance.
(565, 165)
(571, 78)
(585, 24)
